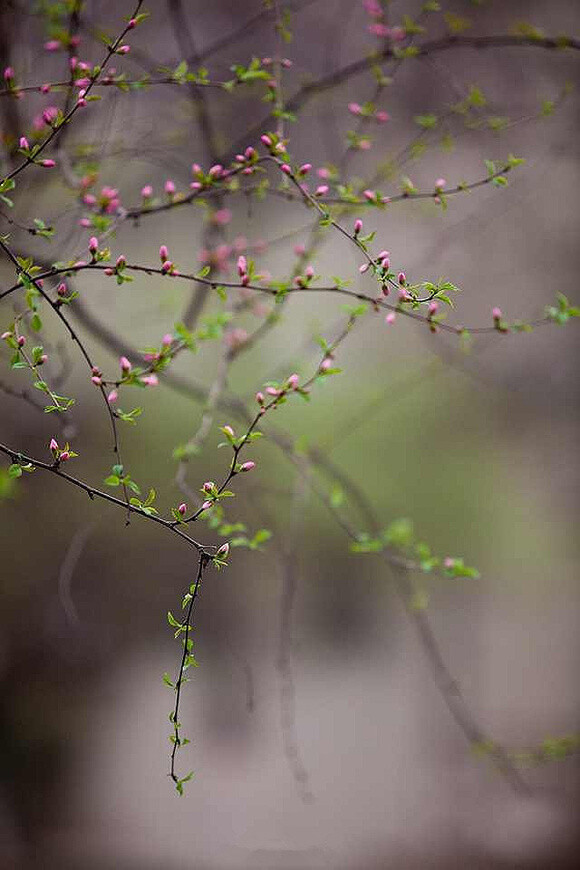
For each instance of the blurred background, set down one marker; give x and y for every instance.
(319, 738)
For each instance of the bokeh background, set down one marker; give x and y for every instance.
(479, 449)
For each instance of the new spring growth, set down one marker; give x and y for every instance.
(223, 552)
(61, 454)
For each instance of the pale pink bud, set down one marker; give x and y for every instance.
(48, 164)
(496, 314)
(390, 318)
(112, 397)
(121, 262)
(229, 431)
(64, 456)
(369, 194)
(53, 445)
(125, 364)
(182, 509)
(354, 108)
(206, 505)
(433, 306)
(325, 365)
(93, 244)
(272, 391)
(23, 143)
(321, 190)
(382, 117)
(364, 268)
(250, 153)
(260, 398)
(223, 551)
(52, 45)
(150, 380)
(305, 168)
(440, 184)
(6, 335)
(323, 172)
(247, 466)
(385, 263)
(287, 170)
(216, 170)
(8, 73)
(293, 381)
(167, 340)
(124, 49)
(401, 278)
(265, 140)
(309, 272)
(21, 341)
(448, 562)
(242, 266)
(208, 485)
(299, 250)
(109, 271)
(169, 187)
(97, 381)
(358, 225)
(146, 191)
(163, 253)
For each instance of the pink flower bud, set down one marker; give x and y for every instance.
(167, 340)
(163, 253)
(354, 108)
(109, 271)
(299, 250)
(293, 381)
(260, 398)
(305, 168)
(206, 505)
(323, 172)
(169, 187)
(247, 466)
(369, 195)
(182, 509)
(385, 263)
(61, 289)
(364, 268)
(216, 170)
(97, 380)
(229, 431)
(64, 456)
(124, 49)
(309, 272)
(440, 184)
(321, 190)
(48, 164)
(358, 225)
(52, 45)
(242, 266)
(125, 364)
(325, 364)
(401, 278)
(112, 397)
(496, 314)
(53, 445)
(287, 170)
(390, 318)
(146, 191)
(265, 140)
(223, 551)
(21, 341)
(121, 262)
(272, 391)
(448, 562)
(433, 306)
(150, 380)
(93, 244)
(382, 117)
(8, 73)
(23, 143)
(208, 486)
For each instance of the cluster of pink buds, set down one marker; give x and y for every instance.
(378, 27)
(304, 280)
(243, 270)
(167, 266)
(368, 112)
(247, 160)
(97, 376)
(61, 454)
(275, 145)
